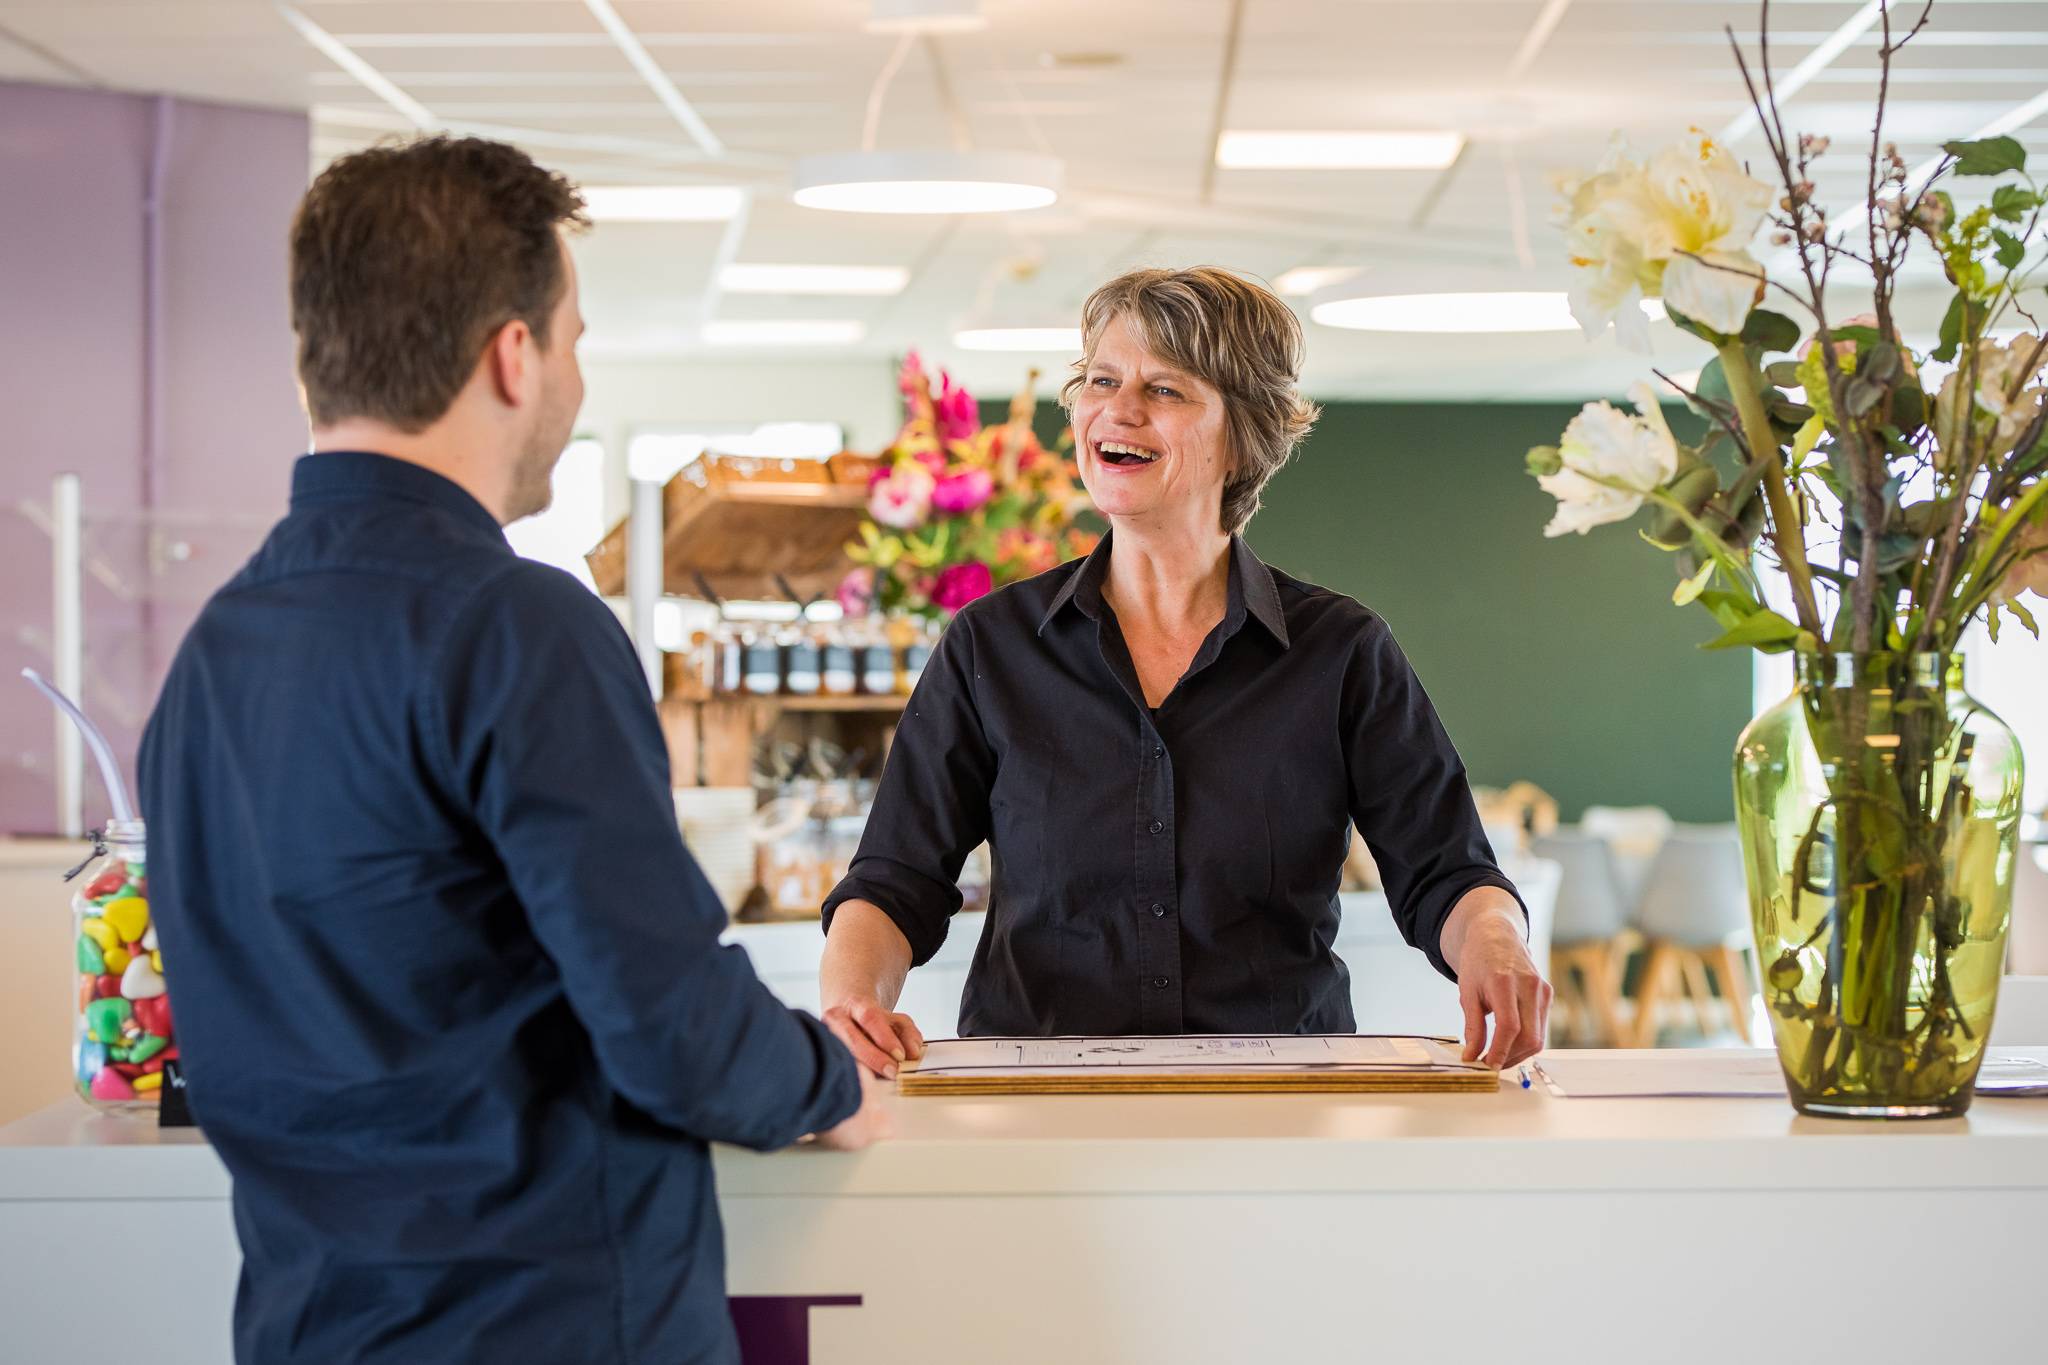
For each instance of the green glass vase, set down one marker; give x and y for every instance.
(1879, 806)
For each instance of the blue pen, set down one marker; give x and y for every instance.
(1523, 1072)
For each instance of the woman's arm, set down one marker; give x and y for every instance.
(1483, 938)
(859, 982)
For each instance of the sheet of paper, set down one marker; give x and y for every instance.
(950, 1056)
(1730, 1072)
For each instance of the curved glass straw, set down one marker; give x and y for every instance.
(102, 752)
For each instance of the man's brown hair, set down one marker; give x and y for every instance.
(407, 258)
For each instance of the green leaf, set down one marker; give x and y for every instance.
(1862, 394)
(1771, 331)
(1987, 156)
(1762, 627)
(2011, 250)
(1909, 407)
(1729, 608)
(1862, 336)
(1879, 361)
(1784, 373)
(1951, 331)
(2026, 618)
(1694, 586)
(2013, 202)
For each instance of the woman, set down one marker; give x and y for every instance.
(1166, 744)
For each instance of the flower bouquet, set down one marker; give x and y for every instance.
(1878, 803)
(956, 509)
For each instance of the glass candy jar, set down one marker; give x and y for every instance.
(121, 1033)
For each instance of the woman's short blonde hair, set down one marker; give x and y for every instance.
(1234, 335)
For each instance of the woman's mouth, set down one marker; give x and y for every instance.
(1123, 455)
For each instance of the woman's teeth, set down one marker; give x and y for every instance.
(1116, 452)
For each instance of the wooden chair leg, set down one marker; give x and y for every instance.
(1732, 967)
(1603, 993)
(1650, 993)
(1563, 1002)
(1693, 967)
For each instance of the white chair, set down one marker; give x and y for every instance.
(2026, 947)
(1590, 934)
(1694, 914)
(1635, 833)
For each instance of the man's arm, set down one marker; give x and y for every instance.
(550, 739)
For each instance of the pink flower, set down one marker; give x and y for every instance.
(856, 594)
(960, 584)
(934, 460)
(963, 492)
(902, 498)
(958, 418)
(907, 377)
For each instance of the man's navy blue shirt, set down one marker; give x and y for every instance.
(448, 986)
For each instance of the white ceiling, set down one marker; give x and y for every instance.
(1536, 84)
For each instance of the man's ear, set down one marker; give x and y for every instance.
(505, 359)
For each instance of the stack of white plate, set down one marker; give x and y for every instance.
(717, 824)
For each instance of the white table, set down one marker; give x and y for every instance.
(1393, 987)
(1201, 1230)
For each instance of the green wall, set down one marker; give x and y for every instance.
(1560, 661)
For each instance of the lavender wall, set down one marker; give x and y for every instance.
(156, 364)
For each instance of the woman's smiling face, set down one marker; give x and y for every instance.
(1152, 440)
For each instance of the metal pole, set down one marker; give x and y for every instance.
(643, 575)
(67, 644)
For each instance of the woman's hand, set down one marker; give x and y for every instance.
(861, 976)
(878, 1038)
(1482, 940)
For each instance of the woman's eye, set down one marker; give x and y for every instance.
(1101, 381)
(1161, 388)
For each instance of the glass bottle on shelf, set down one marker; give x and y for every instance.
(122, 1035)
(800, 663)
(839, 665)
(762, 664)
(728, 679)
(877, 663)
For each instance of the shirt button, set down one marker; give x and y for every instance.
(1156, 826)
(1158, 751)
(1160, 982)
(1158, 910)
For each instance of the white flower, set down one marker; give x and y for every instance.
(1629, 225)
(1611, 462)
(1717, 290)
(2009, 396)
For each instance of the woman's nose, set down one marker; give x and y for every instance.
(1124, 408)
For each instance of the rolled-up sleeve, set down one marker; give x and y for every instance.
(1409, 795)
(932, 807)
(551, 738)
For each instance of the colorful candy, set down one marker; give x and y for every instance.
(128, 917)
(125, 1031)
(140, 981)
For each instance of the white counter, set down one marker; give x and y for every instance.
(1242, 1229)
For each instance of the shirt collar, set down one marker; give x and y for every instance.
(332, 474)
(1251, 590)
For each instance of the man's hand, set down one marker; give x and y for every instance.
(870, 1123)
(1482, 940)
(878, 1038)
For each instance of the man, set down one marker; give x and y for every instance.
(448, 986)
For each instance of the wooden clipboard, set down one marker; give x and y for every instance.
(1205, 1064)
